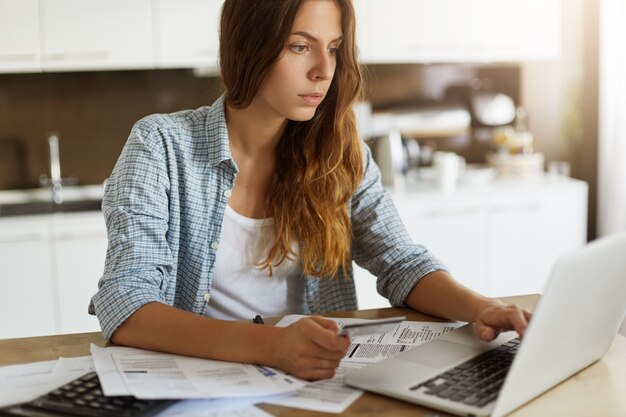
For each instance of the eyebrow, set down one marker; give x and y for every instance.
(313, 38)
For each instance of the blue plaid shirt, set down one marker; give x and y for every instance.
(164, 204)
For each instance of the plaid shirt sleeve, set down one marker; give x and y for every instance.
(381, 243)
(135, 206)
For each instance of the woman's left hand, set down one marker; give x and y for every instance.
(500, 317)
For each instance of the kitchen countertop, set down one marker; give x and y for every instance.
(89, 197)
(415, 183)
(70, 193)
(39, 200)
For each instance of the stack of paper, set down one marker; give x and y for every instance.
(22, 383)
(214, 388)
(153, 375)
(332, 395)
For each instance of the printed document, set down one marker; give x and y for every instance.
(21, 383)
(247, 411)
(226, 388)
(153, 375)
(331, 395)
(230, 407)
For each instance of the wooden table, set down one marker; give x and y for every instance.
(599, 390)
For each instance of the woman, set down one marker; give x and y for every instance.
(259, 203)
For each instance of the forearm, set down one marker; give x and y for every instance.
(157, 326)
(438, 294)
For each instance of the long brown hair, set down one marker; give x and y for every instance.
(319, 162)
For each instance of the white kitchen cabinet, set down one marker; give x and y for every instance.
(424, 31)
(26, 284)
(79, 250)
(97, 34)
(77, 35)
(20, 48)
(365, 20)
(416, 30)
(50, 267)
(528, 231)
(514, 30)
(453, 230)
(186, 33)
(500, 239)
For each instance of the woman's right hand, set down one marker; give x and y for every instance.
(310, 348)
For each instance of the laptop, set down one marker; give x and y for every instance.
(574, 324)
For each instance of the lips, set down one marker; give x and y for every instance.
(312, 99)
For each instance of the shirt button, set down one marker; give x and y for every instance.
(228, 193)
(207, 297)
(215, 245)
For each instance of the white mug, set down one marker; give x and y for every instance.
(448, 168)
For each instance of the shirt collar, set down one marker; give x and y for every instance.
(217, 134)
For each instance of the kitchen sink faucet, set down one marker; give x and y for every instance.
(55, 181)
(55, 168)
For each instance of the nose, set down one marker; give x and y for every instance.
(324, 67)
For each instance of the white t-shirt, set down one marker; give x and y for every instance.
(239, 290)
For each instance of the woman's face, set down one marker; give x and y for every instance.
(300, 78)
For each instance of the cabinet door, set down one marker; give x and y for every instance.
(80, 243)
(453, 229)
(365, 21)
(187, 33)
(27, 305)
(97, 34)
(20, 49)
(528, 233)
(424, 31)
(417, 30)
(514, 30)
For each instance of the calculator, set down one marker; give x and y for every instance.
(83, 397)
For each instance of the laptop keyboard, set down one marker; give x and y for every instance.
(84, 397)
(475, 382)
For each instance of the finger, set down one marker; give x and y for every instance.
(326, 337)
(511, 318)
(328, 364)
(501, 317)
(331, 355)
(487, 333)
(326, 323)
(519, 322)
(313, 368)
(333, 343)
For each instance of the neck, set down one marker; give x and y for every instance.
(253, 132)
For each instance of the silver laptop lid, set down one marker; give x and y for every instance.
(574, 324)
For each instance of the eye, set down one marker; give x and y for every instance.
(299, 48)
(333, 51)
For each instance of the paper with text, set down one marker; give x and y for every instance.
(331, 395)
(154, 375)
(22, 383)
(228, 407)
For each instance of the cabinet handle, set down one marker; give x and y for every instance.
(534, 206)
(17, 57)
(454, 212)
(421, 47)
(80, 235)
(87, 55)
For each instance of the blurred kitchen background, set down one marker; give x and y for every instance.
(495, 124)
